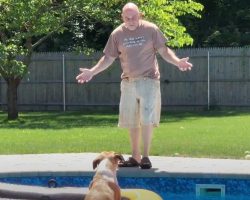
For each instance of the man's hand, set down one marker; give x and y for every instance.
(184, 65)
(168, 55)
(85, 76)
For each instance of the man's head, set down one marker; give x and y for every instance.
(131, 16)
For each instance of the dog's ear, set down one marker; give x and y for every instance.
(119, 157)
(97, 161)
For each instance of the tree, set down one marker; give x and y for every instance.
(26, 24)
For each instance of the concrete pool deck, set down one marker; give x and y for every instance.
(81, 164)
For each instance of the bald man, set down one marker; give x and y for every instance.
(136, 43)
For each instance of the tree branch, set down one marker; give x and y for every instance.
(51, 33)
(43, 39)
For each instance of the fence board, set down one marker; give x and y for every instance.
(42, 87)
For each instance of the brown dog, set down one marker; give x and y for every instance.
(104, 185)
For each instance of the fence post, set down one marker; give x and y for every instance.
(208, 80)
(63, 88)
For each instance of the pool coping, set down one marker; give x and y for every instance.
(80, 164)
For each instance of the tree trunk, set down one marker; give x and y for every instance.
(12, 85)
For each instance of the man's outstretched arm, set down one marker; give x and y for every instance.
(168, 55)
(87, 74)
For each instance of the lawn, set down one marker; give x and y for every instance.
(217, 134)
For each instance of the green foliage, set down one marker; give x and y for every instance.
(25, 24)
(93, 33)
(165, 14)
(8, 55)
(224, 23)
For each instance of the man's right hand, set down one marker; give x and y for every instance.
(85, 76)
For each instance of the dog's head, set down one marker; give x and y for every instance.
(111, 155)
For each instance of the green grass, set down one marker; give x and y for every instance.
(217, 134)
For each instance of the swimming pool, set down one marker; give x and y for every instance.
(169, 188)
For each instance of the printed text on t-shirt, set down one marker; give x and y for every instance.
(133, 41)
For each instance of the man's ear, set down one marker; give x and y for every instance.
(141, 15)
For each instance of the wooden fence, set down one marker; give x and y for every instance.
(220, 77)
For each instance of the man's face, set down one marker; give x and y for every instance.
(131, 19)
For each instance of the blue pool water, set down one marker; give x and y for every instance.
(169, 188)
